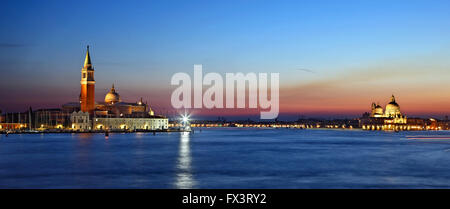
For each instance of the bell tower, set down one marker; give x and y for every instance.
(87, 95)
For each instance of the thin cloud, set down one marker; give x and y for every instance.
(306, 70)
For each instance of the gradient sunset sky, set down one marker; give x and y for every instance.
(334, 57)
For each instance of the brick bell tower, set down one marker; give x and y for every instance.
(87, 94)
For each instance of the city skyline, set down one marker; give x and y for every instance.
(332, 61)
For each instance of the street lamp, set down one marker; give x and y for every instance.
(185, 122)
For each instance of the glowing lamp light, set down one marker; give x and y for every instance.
(185, 124)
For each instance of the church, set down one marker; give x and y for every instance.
(112, 113)
(392, 111)
(389, 118)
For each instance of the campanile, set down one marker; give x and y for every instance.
(87, 95)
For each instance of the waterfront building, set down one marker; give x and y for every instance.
(392, 111)
(80, 121)
(52, 118)
(391, 118)
(15, 121)
(132, 124)
(13, 126)
(114, 106)
(111, 113)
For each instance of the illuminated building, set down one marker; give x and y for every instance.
(113, 106)
(148, 123)
(377, 111)
(15, 121)
(80, 121)
(391, 118)
(112, 113)
(392, 111)
(87, 94)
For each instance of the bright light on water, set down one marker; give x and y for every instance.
(184, 174)
(228, 158)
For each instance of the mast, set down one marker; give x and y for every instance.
(29, 118)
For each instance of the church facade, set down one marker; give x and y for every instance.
(112, 113)
(392, 111)
(389, 118)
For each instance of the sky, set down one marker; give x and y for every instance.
(334, 57)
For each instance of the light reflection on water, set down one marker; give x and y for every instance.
(184, 177)
(227, 158)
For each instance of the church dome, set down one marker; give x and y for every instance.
(378, 110)
(112, 96)
(392, 108)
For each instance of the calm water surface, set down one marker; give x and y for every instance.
(226, 158)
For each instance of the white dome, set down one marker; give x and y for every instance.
(112, 96)
(392, 108)
(378, 110)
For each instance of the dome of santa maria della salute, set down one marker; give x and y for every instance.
(112, 96)
(391, 119)
(392, 108)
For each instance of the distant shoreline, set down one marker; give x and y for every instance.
(84, 132)
(193, 130)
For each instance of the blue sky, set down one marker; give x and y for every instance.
(139, 44)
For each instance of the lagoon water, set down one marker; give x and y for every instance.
(226, 158)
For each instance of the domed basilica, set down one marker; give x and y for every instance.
(112, 96)
(389, 118)
(112, 113)
(113, 105)
(392, 110)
